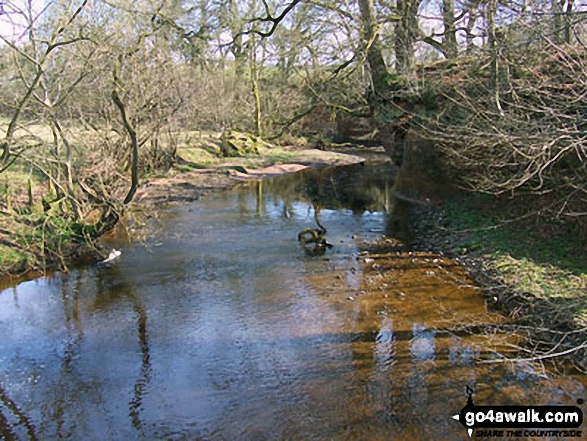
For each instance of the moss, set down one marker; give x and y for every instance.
(525, 254)
(38, 239)
(12, 261)
(510, 228)
(534, 269)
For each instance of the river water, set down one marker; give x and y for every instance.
(221, 326)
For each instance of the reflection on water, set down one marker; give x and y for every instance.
(222, 328)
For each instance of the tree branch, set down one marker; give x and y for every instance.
(134, 145)
(268, 19)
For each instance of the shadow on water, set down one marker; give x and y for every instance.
(220, 327)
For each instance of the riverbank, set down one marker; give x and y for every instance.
(189, 181)
(529, 268)
(191, 177)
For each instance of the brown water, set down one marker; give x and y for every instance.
(221, 327)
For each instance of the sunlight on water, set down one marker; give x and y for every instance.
(221, 326)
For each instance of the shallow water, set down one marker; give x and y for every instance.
(222, 327)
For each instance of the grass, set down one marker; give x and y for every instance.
(534, 265)
(532, 255)
(510, 228)
(272, 156)
(33, 234)
(37, 236)
(12, 261)
(540, 279)
(199, 156)
(203, 152)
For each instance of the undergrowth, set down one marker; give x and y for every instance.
(534, 266)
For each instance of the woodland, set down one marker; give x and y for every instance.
(98, 94)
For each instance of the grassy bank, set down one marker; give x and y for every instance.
(37, 234)
(532, 267)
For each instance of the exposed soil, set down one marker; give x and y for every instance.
(180, 186)
(190, 186)
(532, 316)
(550, 328)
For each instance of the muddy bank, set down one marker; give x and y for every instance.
(192, 185)
(180, 186)
(552, 330)
(286, 344)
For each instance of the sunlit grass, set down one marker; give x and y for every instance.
(203, 149)
(527, 253)
(543, 280)
(199, 155)
(496, 230)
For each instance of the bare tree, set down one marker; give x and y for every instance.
(406, 35)
(42, 49)
(372, 45)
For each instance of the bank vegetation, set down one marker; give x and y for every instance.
(99, 95)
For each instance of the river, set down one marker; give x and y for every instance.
(220, 326)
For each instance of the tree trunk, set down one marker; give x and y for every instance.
(472, 19)
(255, 87)
(494, 51)
(405, 36)
(451, 48)
(373, 45)
(569, 22)
(134, 147)
(557, 21)
(257, 96)
(237, 48)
